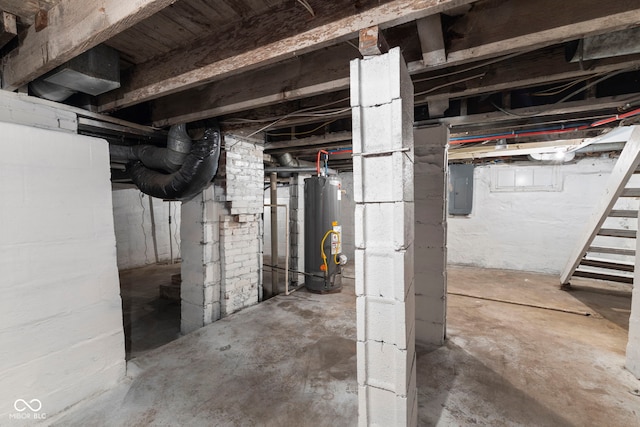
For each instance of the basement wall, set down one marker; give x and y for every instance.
(134, 235)
(534, 225)
(61, 335)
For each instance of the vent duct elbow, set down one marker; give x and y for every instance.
(178, 172)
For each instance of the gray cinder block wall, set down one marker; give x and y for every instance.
(382, 111)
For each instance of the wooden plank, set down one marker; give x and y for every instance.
(372, 42)
(615, 251)
(303, 78)
(512, 149)
(431, 40)
(509, 26)
(602, 276)
(533, 69)
(631, 192)
(266, 39)
(293, 79)
(74, 26)
(613, 232)
(309, 141)
(607, 265)
(627, 163)
(27, 9)
(8, 27)
(623, 213)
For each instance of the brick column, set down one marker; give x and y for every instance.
(431, 233)
(633, 346)
(382, 107)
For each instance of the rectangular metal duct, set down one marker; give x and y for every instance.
(95, 72)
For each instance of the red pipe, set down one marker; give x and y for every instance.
(318, 160)
(547, 132)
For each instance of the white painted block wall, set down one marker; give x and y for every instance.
(530, 230)
(134, 238)
(61, 335)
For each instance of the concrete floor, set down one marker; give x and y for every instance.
(291, 362)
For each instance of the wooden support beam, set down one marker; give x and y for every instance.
(372, 42)
(523, 149)
(8, 27)
(73, 27)
(502, 27)
(625, 166)
(235, 92)
(431, 40)
(537, 68)
(266, 39)
(27, 9)
(297, 78)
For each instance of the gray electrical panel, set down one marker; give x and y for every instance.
(460, 189)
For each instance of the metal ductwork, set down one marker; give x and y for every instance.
(178, 172)
(617, 43)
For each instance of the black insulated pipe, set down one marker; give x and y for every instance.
(167, 173)
(197, 171)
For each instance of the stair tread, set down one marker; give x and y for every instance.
(624, 213)
(601, 276)
(610, 265)
(613, 232)
(606, 250)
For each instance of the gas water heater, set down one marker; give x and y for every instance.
(323, 259)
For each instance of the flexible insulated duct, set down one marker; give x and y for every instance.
(178, 172)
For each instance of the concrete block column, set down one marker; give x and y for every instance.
(200, 289)
(382, 108)
(430, 175)
(633, 345)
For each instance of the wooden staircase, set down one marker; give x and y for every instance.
(607, 249)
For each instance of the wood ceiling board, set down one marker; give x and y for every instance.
(293, 79)
(534, 69)
(261, 41)
(74, 27)
(510, 25)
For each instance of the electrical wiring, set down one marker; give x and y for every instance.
(474, 67)
(544, 131)
(303, 133)
(569, 96)
(298, 114)
(433, 89)
(561, 88)
(307, 6)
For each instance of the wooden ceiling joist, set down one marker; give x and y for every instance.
(263, 40)
(73, 27)
(328, 70)
(293, 79)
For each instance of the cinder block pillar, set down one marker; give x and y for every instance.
(633, 346)
(382, 107)
(430, 175)
(200, 289)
